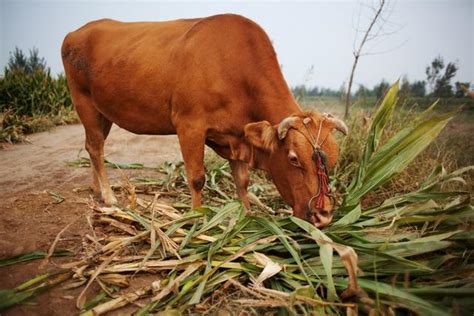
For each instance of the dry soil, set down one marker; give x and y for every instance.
(30, 220)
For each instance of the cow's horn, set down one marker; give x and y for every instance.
(285, 125)
(338, 124)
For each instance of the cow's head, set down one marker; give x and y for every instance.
(294, 147)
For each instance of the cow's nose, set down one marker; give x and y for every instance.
(322, 218)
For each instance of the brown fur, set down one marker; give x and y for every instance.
(213, 81)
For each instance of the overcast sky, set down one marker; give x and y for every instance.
(318, 34)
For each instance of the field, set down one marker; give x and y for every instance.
(46, 191)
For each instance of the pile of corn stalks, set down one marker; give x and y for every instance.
(413, 253)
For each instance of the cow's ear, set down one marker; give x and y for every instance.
(261, 135)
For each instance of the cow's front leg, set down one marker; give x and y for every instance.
(192, 148)
(240, 172)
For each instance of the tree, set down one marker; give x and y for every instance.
(381, 88)
(363, 92)
(341, 92)
(405, 87)
(418, 89)
(433, 72)
(374, 30)
(31, 64)
(443, 87)
(17, 60)
(314, 92)
(438, 80)
(300, 92)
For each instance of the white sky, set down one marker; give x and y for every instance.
(304, 33)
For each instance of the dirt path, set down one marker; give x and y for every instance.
(30, 220)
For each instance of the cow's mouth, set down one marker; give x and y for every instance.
(320, 218)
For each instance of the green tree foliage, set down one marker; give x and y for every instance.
(18, 61)
(433, 71)
(439, 77)
(405, 90)
(415, 89)
(381, 88)
(363, 92)
(418, 89)
(301, 91)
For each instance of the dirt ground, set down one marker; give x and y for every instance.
(29, 218)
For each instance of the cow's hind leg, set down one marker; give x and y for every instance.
(97, 128)
(191, 141)
(95, 146)
(240, 172)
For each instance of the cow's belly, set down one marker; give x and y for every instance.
(139, 118)
(151, 125)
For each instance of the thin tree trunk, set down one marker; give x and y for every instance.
(349, 87)
(357, 55)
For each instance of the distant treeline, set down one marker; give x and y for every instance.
(416, 89)
(437, 85)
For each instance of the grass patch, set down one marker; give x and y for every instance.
(84, 162)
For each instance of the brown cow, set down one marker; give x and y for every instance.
(213, 81)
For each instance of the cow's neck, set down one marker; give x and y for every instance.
(259, 159)
(277, 102)
(279, 110)
(255, 157)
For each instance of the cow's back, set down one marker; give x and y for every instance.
(108, 45)
(219, 71)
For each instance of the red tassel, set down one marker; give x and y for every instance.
(323, 183)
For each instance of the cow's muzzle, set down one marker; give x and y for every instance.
(321, 217)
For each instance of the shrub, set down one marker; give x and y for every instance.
(31, 99)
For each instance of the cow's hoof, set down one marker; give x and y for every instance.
(351, 292)
(248, 213)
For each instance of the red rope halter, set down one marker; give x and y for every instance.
(322, 178)
(319, 157)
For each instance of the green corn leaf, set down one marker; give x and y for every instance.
(325, 252)
(403, 298)
(380, 119)
(276, 230)
(350, 218)
(33, 256)
(229, 210)
(395, 155)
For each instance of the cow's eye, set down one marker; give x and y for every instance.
(294, 159)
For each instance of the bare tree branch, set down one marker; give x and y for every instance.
(357, 53)
(371, 53)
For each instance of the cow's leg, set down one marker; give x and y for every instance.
(95, 146)
(240, 172)
(97, 128)
(191, 142)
